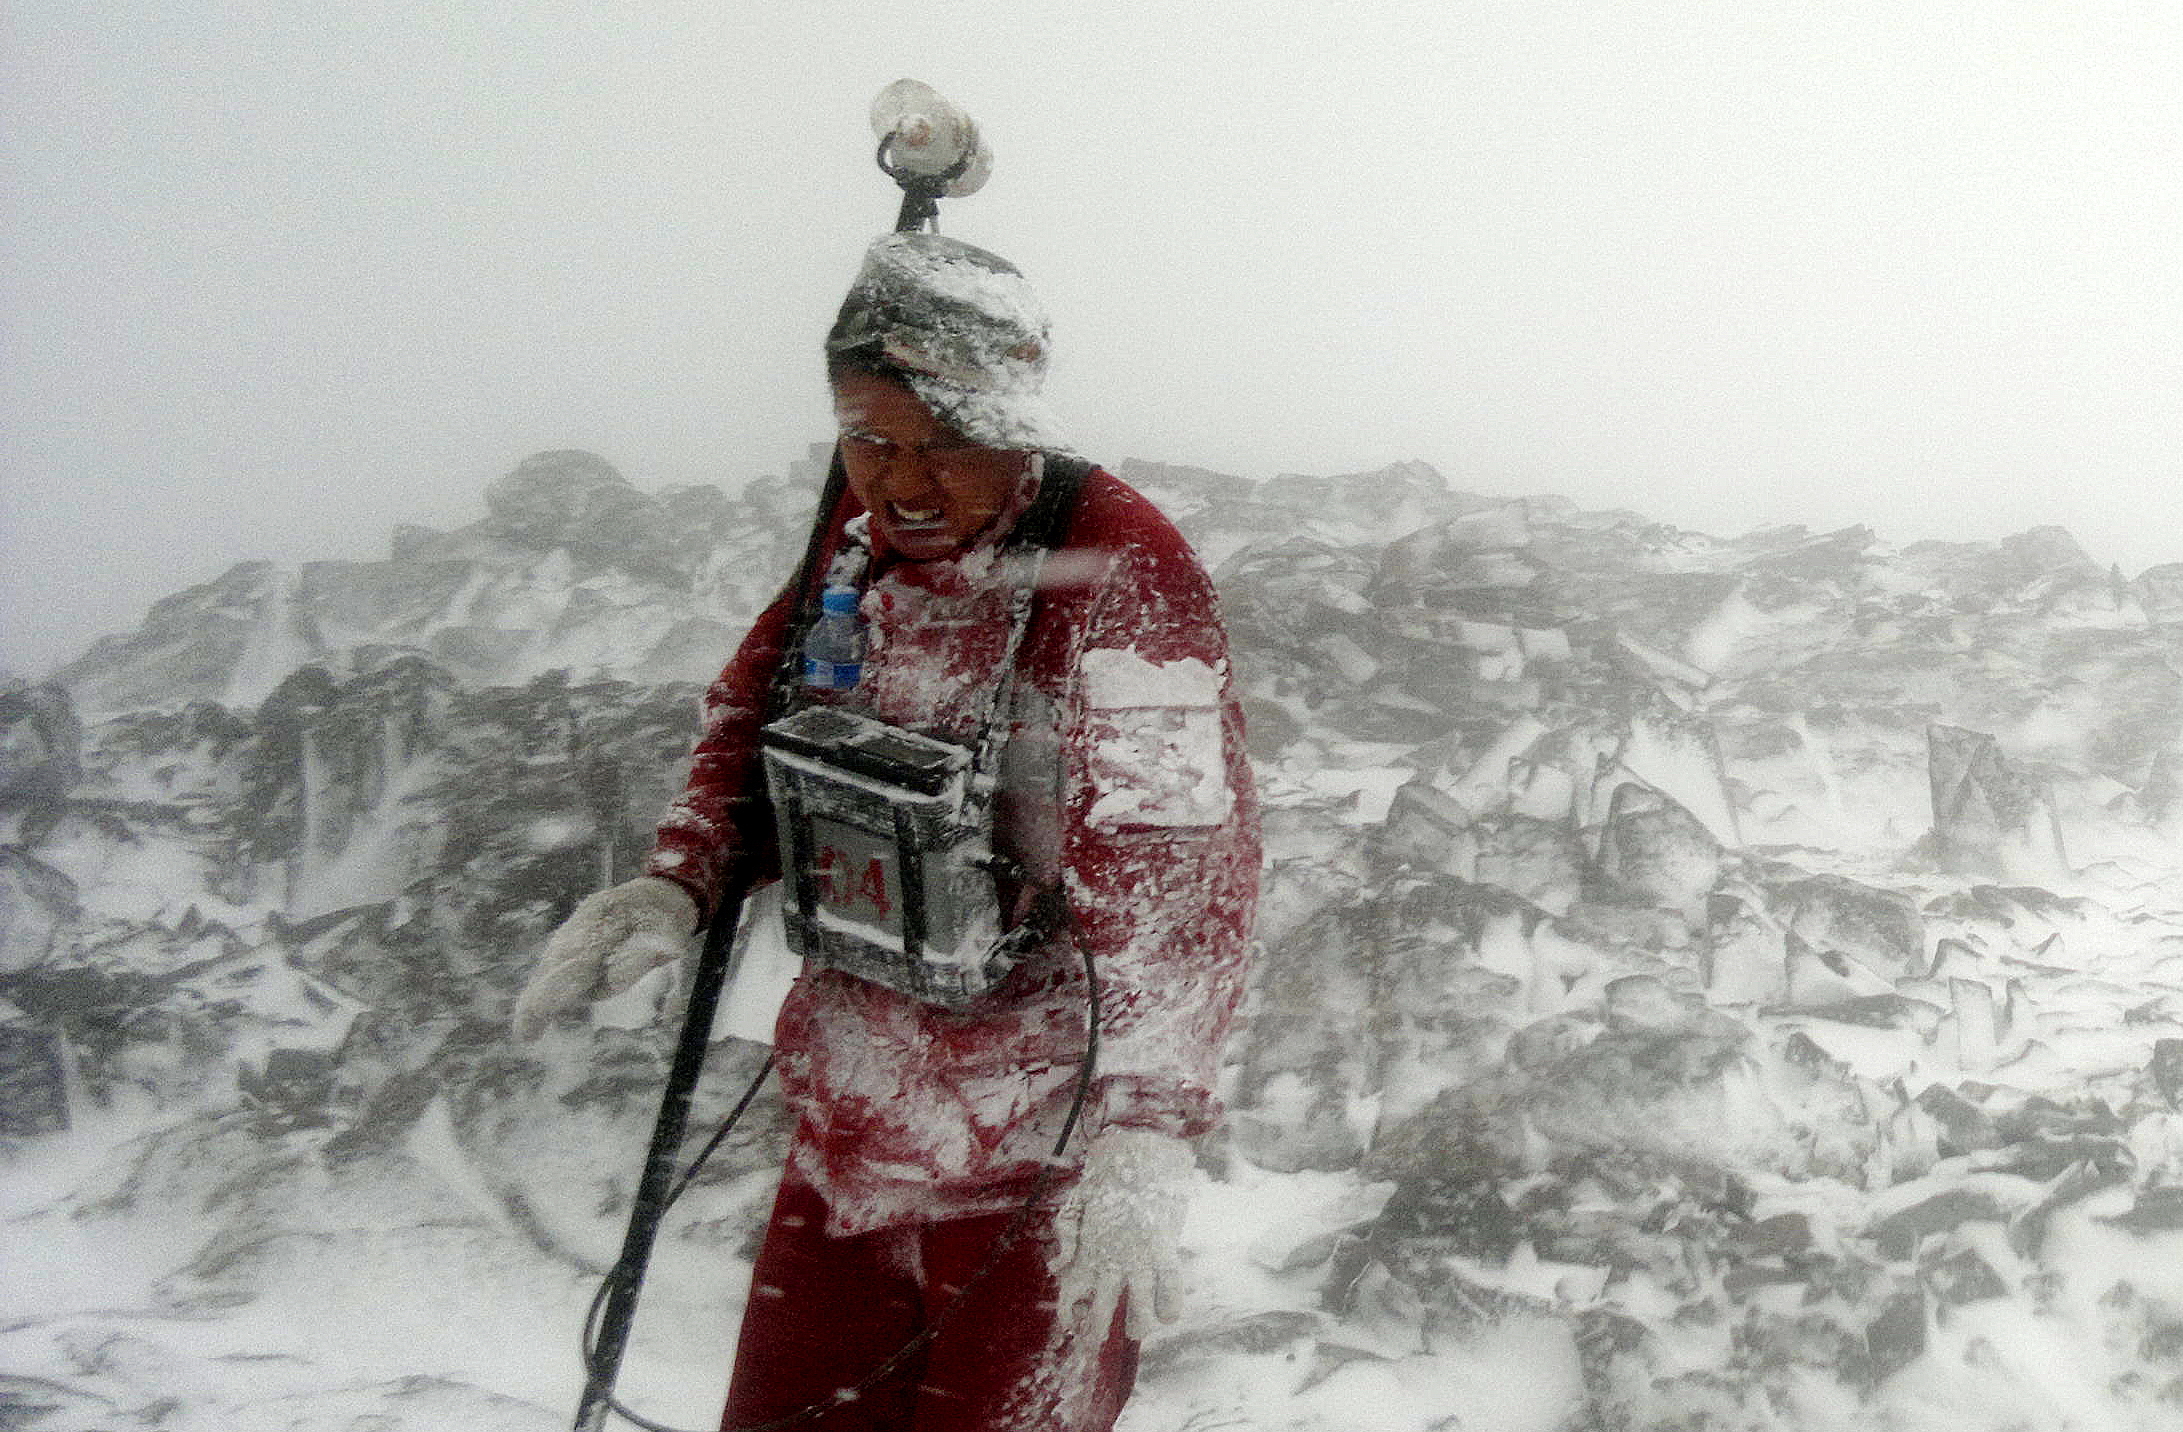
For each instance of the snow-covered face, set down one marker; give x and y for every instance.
(931, 491)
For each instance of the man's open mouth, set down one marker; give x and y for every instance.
(913, 516)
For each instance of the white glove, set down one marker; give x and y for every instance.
(608, 943)
(1120, 1229)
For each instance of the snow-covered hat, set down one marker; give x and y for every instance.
(961, 327)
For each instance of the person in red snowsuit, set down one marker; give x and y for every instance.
(921, 1131)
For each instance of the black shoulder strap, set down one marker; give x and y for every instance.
(781, 696)
(1045, 523)
(1043, 527)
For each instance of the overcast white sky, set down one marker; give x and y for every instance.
(277, 276)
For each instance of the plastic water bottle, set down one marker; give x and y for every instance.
(833, 651)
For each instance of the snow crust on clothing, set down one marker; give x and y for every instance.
(1121, 1229)
(1160, 767)
(1003, 299)
(971, 339)
(1008, 416)
(1116, 677)
(1157, 756)
(911, 1112)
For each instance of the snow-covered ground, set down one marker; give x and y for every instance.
(1706, 984)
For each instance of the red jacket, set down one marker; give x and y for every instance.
(1124, 780)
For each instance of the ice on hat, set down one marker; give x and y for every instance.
(962, 328)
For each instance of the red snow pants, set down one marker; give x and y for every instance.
(824, 1313)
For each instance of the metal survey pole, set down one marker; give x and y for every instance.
(932, 150)
(659, 1166)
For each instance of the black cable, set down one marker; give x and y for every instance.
(618, 1275)
(921, 193)
(1002, 1246)
(720, 1135)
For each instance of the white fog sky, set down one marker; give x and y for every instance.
(277, 276)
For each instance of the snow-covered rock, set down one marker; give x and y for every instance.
(1730, 982)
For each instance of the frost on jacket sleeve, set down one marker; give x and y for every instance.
(1161, 841)
(721, 826)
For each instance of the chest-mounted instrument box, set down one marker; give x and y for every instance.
(887, 854)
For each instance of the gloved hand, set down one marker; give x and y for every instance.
(1120, 1229)
(608, 943)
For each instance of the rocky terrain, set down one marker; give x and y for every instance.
(1706, 983)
